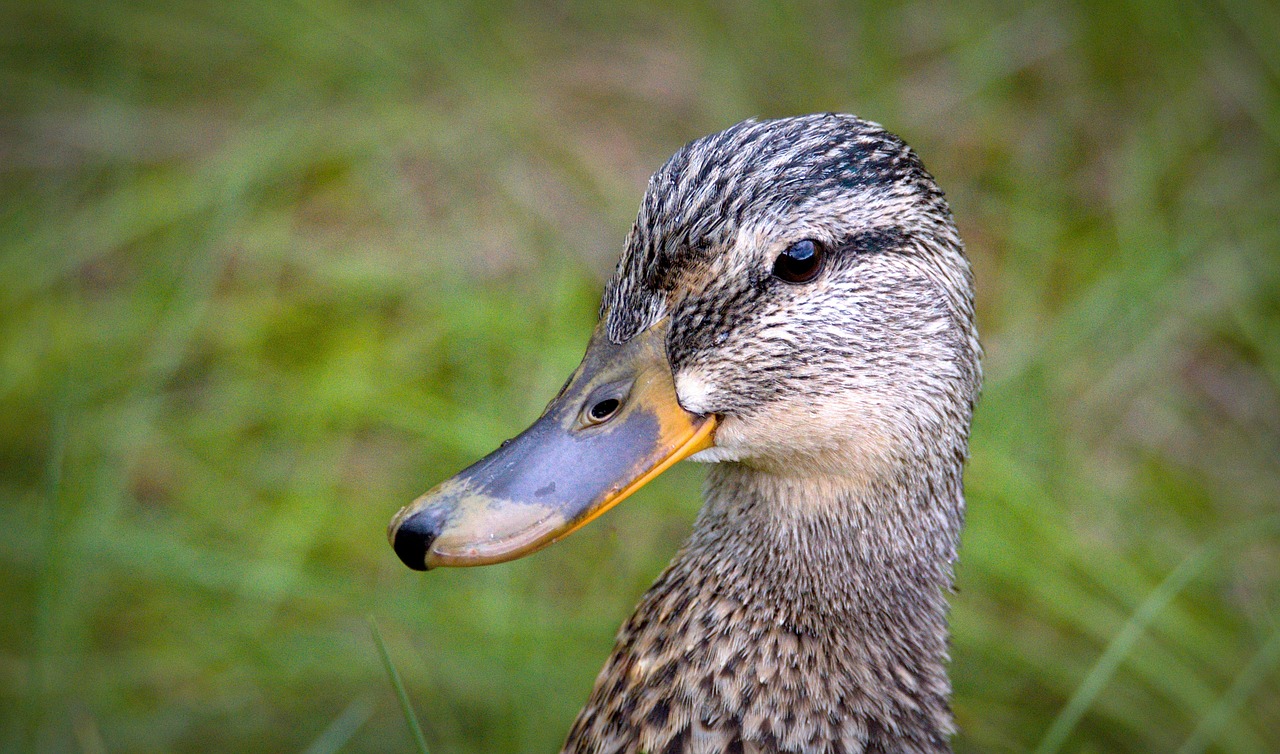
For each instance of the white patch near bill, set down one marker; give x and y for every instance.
(715, 455)
(694, 392)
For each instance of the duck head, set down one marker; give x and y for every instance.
(793, 298)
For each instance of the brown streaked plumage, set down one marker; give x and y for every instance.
(807, 611)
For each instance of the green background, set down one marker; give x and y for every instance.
(268, 270)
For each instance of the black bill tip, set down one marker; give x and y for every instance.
(414, 536)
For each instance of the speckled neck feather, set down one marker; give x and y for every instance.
(798, 617)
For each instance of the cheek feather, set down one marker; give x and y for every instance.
(694, 392)
(715, 455)
(853, 436)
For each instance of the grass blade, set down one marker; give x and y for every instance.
(343, 728)
(1112, 657)
(1253, 674)
(410, 718)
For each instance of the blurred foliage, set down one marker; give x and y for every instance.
(270, 269)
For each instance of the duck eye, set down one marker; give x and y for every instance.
(799, 263)
(603, 410)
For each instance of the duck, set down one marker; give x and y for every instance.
(794, 307)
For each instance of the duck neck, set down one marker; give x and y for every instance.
(803, 614)
(860, 570)
(872, 558)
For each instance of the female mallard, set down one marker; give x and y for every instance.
(793, 304)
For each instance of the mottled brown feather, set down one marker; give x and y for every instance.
(807, 611)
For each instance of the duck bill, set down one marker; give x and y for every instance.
(584, 455)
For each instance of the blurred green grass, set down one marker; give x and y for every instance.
(269, 270)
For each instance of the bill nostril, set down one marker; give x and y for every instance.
(604, 403)
(414, 537)
(604, 410)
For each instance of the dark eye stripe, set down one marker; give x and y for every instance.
(890, 238)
